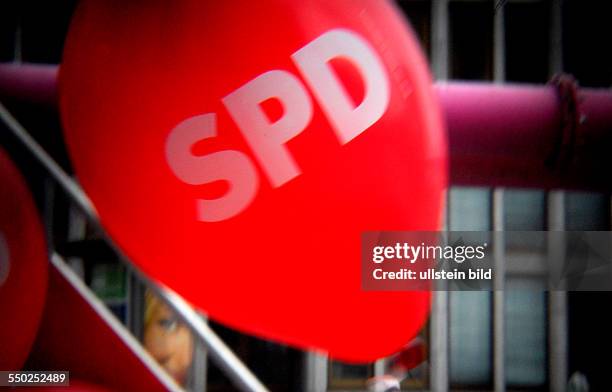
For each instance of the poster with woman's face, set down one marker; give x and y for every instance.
(167, 339)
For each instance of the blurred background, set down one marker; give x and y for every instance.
(499, 340)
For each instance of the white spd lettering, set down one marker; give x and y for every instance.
(268, 139)
(231, 165)
(5, 262)
(313, 62)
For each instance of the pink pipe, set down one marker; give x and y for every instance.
(512, 135)
(499, 135)
(32, 83)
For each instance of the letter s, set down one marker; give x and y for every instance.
(230, 165)
(480, 251)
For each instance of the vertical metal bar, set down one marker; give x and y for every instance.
(439, 347)
(497, 204)
(315, 372)
(17, 43)
(439, 39)
(380, 367)
(499, 45)
(439, 342)
(77, 226)
(199, 367)
(135, 305)
(555, 54)
(557, 300)
(499, 379)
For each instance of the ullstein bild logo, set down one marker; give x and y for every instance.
(266, 138)
(414, 260)
(580, 261)
(425, 253)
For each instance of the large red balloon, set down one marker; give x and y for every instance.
(23, 267)
(236, 150)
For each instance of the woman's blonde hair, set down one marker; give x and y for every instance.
(152, 303)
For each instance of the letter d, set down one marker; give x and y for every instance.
(312, 61)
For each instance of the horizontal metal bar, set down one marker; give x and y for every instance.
(222, 356)
(499, 135)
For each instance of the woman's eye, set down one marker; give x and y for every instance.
(169, 324)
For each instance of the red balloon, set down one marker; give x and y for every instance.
(23, 267)
(237, 150)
